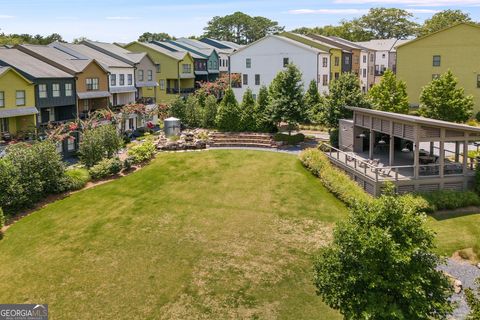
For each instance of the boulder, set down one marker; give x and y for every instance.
(457, 286)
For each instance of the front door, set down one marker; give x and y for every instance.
(4, 125)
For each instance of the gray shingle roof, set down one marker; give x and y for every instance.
(30, 65)
(93, 94)
(134, 57)
(123, 89)
(141, 84)
(178, 55)
(18, 112)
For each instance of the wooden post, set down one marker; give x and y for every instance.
(391, 156)
(372, 141)
(465, 157)
(457, 151)
(442, 152)
(416, 159)
(431, 148)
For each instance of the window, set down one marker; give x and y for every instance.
(71, 144)
(337, 61)
(248, 63)
(4, 125)
(42, 90)
(435, 76)
(372, 57)
(130, 78)
(157, 67)
(162, 84)
(68, 90)
(337, 75)
(436, 61)
(20, 97)
(364, 72)
(364, 59)
(286, 61)
(92, 84)
(131, 124)
(55, 90)
(325, 62)
(113, 80)
(347, 60)
(325, 80)
(186, 68)
(122, 80)
(245, 79)
(85, 105)
(140, 75)
(257, 79)
(2, 99)
(149, 75)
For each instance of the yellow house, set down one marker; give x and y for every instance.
(175, 72)
(455, 48)
(17, 104)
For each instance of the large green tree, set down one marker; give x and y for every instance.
(347, 29)
(441, 99)
(386, 23)
(240, 28)
(443, 19)
(263, 115)
(390, 94)
(155, 36)
(314, 102)
(13, 39)
(228, 113)
(286, 97)
(344, 92)
(247, 108)
(381, 265)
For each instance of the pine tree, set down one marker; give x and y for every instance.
(314, 103)
(193, 112)
(390, 94)
(247, 109)
(263, 116)
(286, 97)
(442, 100)
(228, 113)
(344, 92)
(209, 112)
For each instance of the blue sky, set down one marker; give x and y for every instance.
(124, 20)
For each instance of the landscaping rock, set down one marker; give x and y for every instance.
(457, 286)
(478, 265)
(188, 140)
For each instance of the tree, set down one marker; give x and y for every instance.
(390, 94)
(286, 97)
(344, 92)
(473, 302)
(240, 28)
(442, 20)
(210, 112)
(193, 111)
(13, 39)
(79, 40)
(178, 108)
(442, 100)
(99, 143)
(247, 109)
(385, 23)
(160, 36)
(349, 30)
(381, 265)
(228, 113)
(314, 102)
(263, 116)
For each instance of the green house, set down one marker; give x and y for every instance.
(174, 74)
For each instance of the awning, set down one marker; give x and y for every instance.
(201, 73)
(93, 94)
(141, 84)
(123, 89)
(213, 71)
(17, 112)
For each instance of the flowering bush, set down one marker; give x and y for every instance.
(141, 153)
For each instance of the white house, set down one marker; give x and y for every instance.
(121, 74)
(258, 63)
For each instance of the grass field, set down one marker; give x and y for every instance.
(204, 235)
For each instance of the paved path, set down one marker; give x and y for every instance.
(467, 273)
(293, 150)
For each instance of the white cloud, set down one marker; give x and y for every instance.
(429, 11)
(4, 16)
(416, 3)
(121, 18)
(328, 11)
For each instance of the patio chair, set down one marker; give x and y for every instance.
(386, 171)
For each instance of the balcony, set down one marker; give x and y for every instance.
(180, 91)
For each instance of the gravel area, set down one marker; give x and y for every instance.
(467, 273)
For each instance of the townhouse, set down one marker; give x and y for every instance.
(425, 58)
(18, 114)
(210, 54)
(257, 64)
(91, 83)
(385, 56)
(121, 74)
(339, 62)
(55, 93)
(223, 52)
(174, 75)
(145, 67)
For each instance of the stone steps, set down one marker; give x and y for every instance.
(241, 139)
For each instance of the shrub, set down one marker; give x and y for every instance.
(210, 112)
(446, 199)
(2, 222)
(12, 195)
(76, 179)
(98, 143)
(141, 153)
(127, 163)
(228, 113)
(477, 116)
(334, 139)
(105, 168)
(336, 181)
(289, 139)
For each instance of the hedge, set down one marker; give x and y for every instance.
(142, 152)
(77, 178)
(336, 181)
(449, 200)
(289, 139)
(105, 168)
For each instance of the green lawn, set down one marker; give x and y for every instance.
(201, 235)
